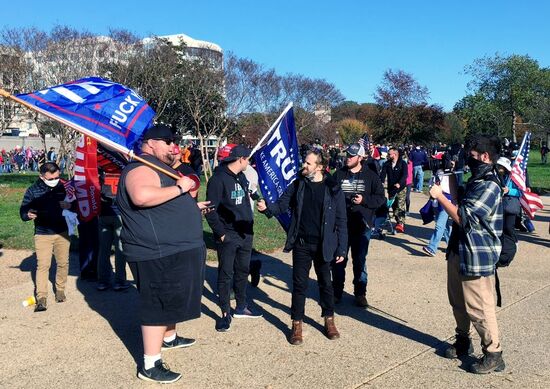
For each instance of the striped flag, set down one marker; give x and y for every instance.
(530, 202)
(364, 141)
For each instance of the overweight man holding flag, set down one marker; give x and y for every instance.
(163, 244)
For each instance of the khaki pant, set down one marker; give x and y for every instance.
(473, 301)
(45, 245)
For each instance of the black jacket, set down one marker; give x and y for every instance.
(396, 175)
(228, 192)
(366, 183)
(334, 223)
(45, 201)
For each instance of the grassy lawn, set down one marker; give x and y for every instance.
(269, 236)
(16, 234)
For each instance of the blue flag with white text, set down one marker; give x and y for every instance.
(109, 111)
(277, 162)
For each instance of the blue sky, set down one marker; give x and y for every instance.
(349, 43)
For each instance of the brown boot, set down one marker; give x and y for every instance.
(296, 335)
(330, 328)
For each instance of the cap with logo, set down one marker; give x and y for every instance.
(355, 149)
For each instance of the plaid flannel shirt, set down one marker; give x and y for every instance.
(481, 223)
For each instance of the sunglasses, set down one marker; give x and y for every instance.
(167, 141)
(51, 179)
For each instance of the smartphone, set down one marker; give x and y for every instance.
(210, 207)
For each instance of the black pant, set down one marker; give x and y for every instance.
(233, 263)
(303, 254)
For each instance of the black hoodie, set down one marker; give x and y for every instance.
(228, 192)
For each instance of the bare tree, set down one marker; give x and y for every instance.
(400, 88)
(12, 73)
(62, 55)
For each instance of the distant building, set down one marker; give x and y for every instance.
(322, 113)
(194, 48)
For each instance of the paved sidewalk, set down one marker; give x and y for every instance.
(93, 339)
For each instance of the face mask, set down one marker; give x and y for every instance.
(51, 183)
(475, 165)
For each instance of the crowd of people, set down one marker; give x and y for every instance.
(28, 159)
(334, 217)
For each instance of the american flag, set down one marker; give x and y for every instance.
(364, 141)
(530, 202)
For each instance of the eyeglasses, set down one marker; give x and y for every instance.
(167, 141)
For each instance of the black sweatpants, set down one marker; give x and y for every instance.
(233, 263)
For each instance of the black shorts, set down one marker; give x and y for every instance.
(170, 288)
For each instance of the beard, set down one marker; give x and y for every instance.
(308, 175)
(168, 158)
(353, 165)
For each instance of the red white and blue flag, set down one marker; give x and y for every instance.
(109, 112)
(364, 141)
(530, 202)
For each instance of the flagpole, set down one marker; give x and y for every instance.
(271, 129)
(91, 134)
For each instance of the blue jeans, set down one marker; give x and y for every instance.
(442, 230)
(359, 245)
(418, 178)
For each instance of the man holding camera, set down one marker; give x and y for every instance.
(364, 193)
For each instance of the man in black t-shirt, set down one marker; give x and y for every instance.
(163, 243)
(317, 234)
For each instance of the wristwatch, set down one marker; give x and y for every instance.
(180, 188)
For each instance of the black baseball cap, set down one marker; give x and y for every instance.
(159, 131)
(238, 151)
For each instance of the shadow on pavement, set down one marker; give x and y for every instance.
(119, 309)
(29, 265)
(377, 319)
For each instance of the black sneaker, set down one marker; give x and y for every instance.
(224, 323)
(102, 286)
(41, 305)
(488, 363)
(160, 373)
(119, 287)
(179, 342)
(246, 313)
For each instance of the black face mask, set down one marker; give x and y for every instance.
(475, 165)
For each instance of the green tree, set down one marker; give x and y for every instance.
(350, 130)
(507, 94)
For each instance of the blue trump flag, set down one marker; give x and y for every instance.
(109, 112)
(277, 162)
